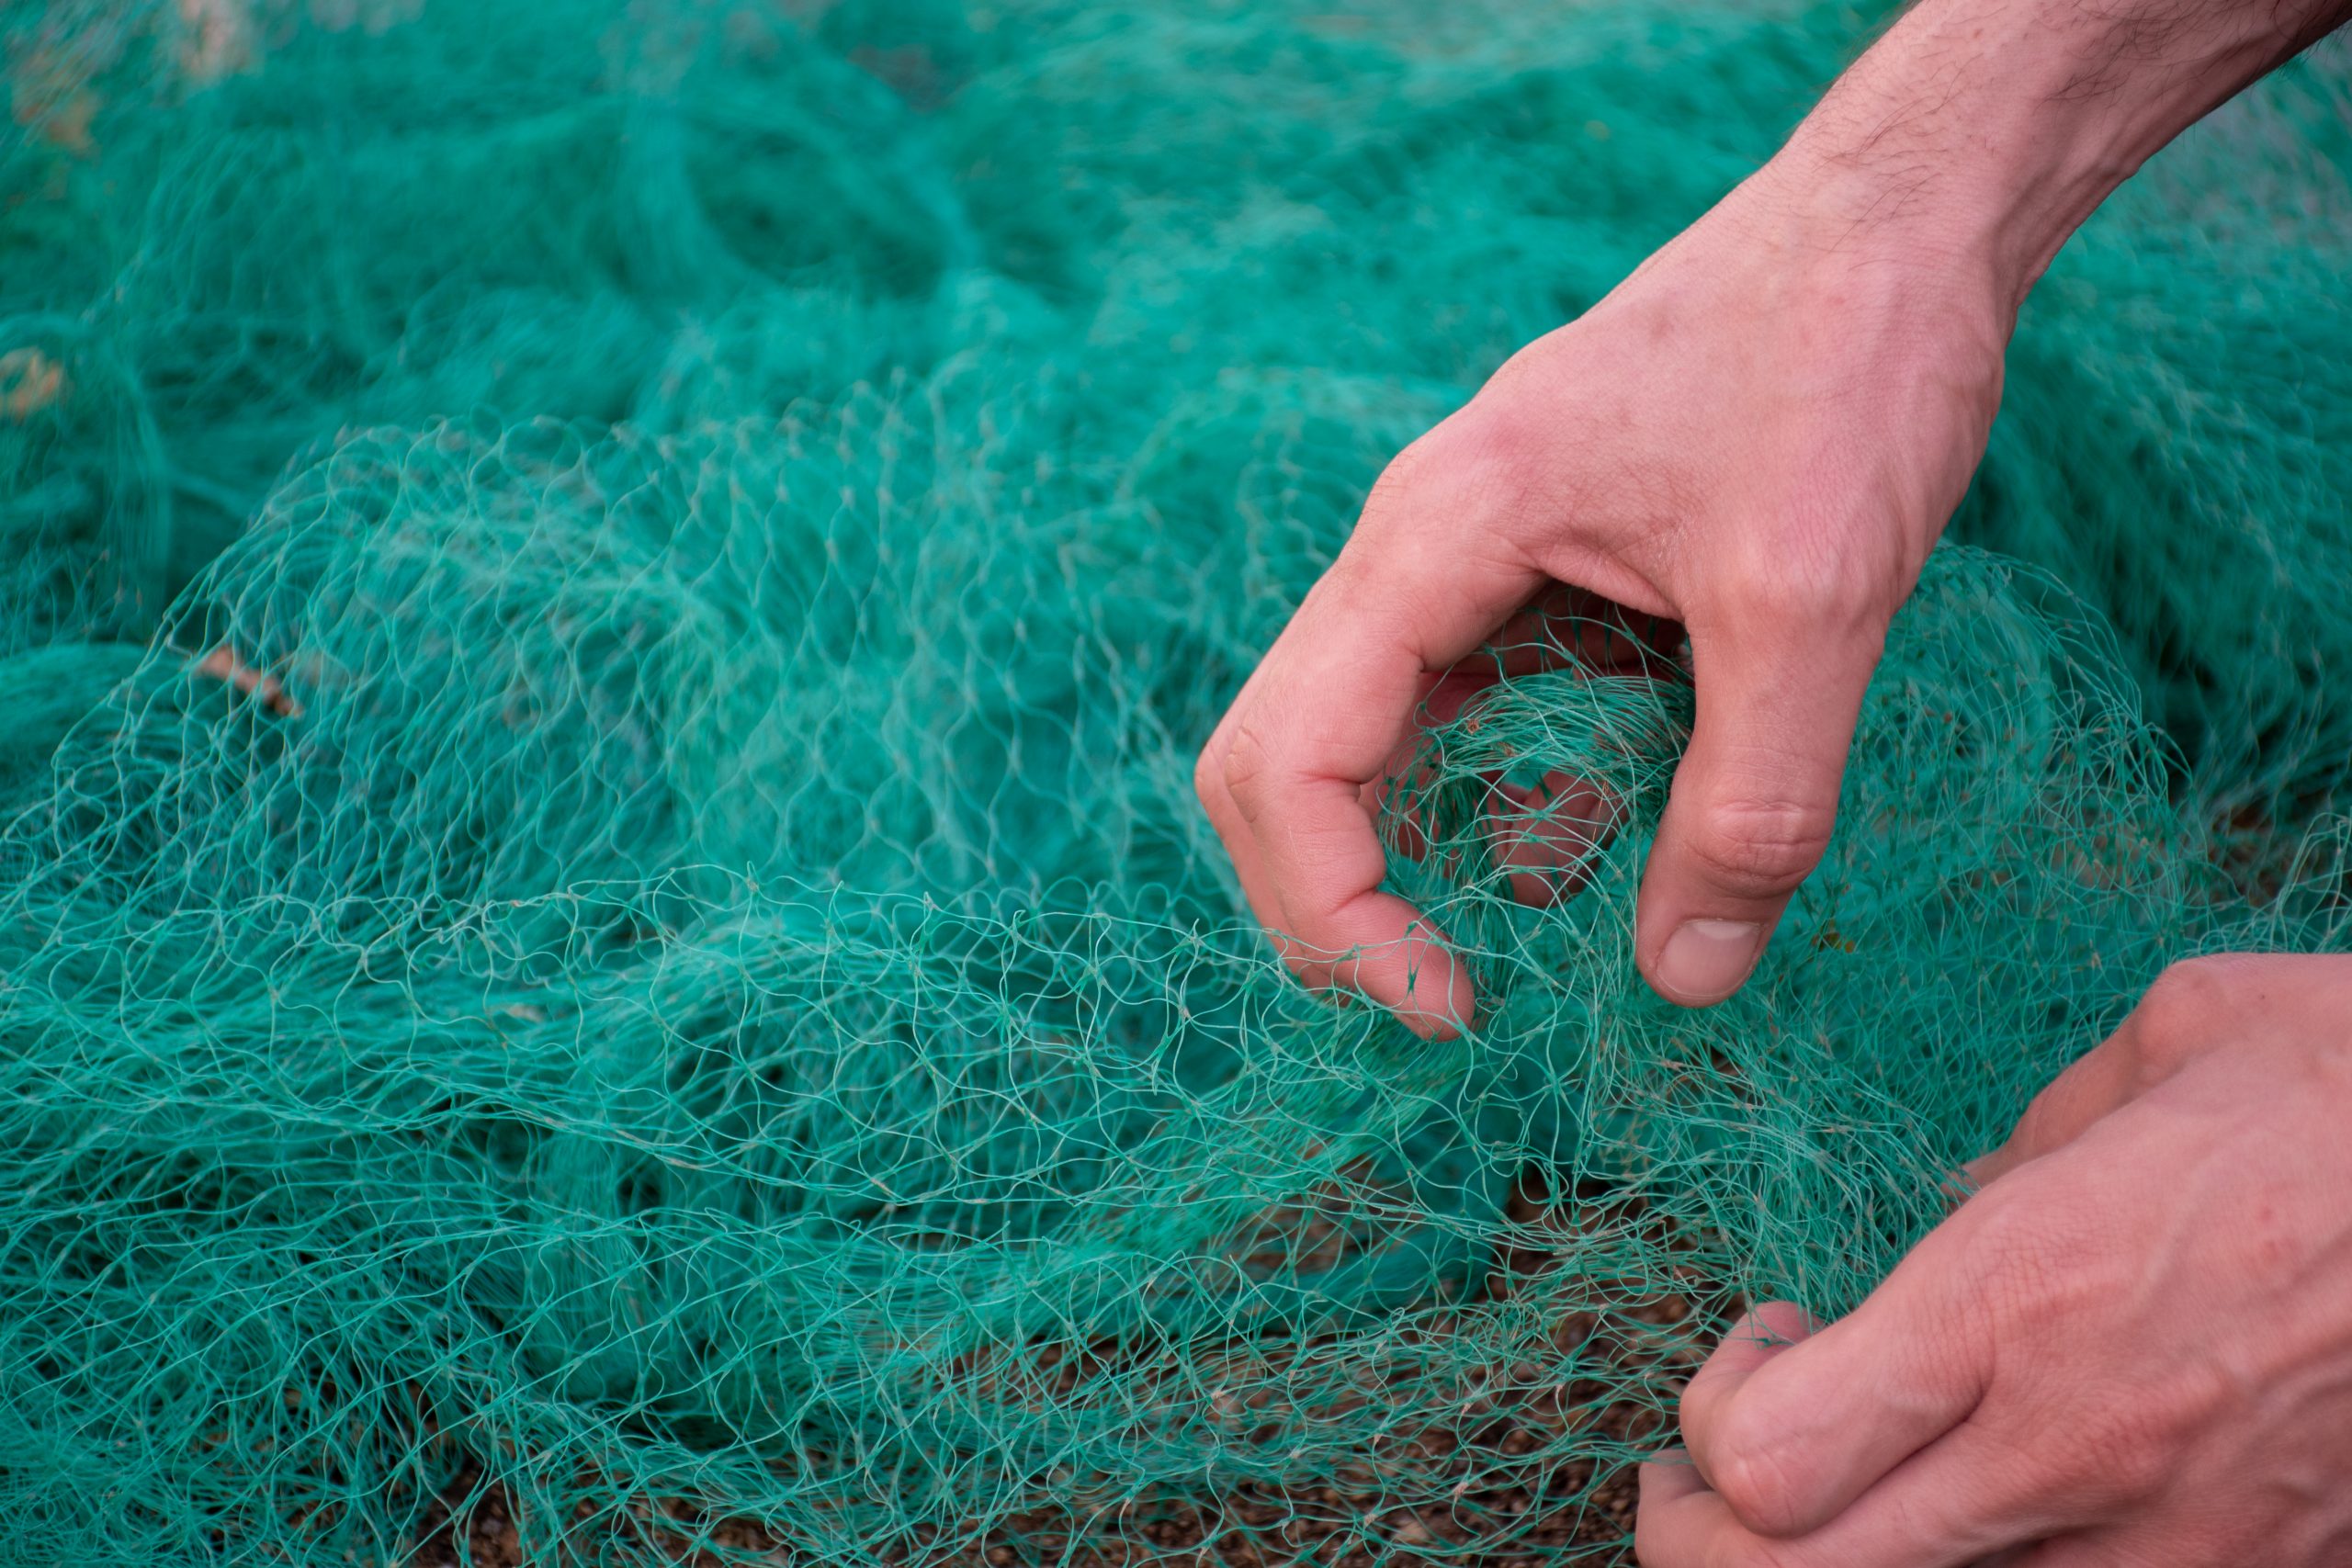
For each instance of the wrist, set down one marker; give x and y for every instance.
(1973, 220)
(1909, 290)
(1975, 138)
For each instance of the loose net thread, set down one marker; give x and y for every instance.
(609, 615)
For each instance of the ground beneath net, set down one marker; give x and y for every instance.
(1570, 1520)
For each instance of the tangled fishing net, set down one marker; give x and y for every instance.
(608, 611)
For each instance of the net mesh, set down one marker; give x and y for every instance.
(607, 953)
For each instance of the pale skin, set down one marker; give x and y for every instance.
(2132, 1347)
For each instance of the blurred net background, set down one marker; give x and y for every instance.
(608, 611)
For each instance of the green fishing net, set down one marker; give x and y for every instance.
(607, 610)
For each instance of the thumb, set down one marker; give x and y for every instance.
(1753, 799)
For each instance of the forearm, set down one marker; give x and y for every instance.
(1981, 132)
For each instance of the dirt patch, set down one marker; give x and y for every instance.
(1550, 1518)
(1325, 1527)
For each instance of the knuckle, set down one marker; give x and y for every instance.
(1245, 771)
(2044, 1269)
(1820, 596)
(1392, 493)
(2181, 1012)
(2026, 1296)
(1495, 433)
(1755, 1480)
(2011, 1253)
(1819, 579)
(1477, 465)
(2045, 1114)
(1758, 847)
(2124, 1453)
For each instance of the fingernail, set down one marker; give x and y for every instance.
(1704, 961)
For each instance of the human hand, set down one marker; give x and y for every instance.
(2131, 1347)
(1758, 436)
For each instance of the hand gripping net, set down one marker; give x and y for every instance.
(605, 952)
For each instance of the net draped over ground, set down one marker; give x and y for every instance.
(607, 611)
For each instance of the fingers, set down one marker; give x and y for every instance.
(1753, 799)
(1665, 1533)
(1566, 626)
(2094, 1085)
(222, 664)
(2197, 1006)
(1765, 1333)
(1790, 1435)
(1843, 1446)
(1962, 1505)
(1283, 778)
(1545, 836)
